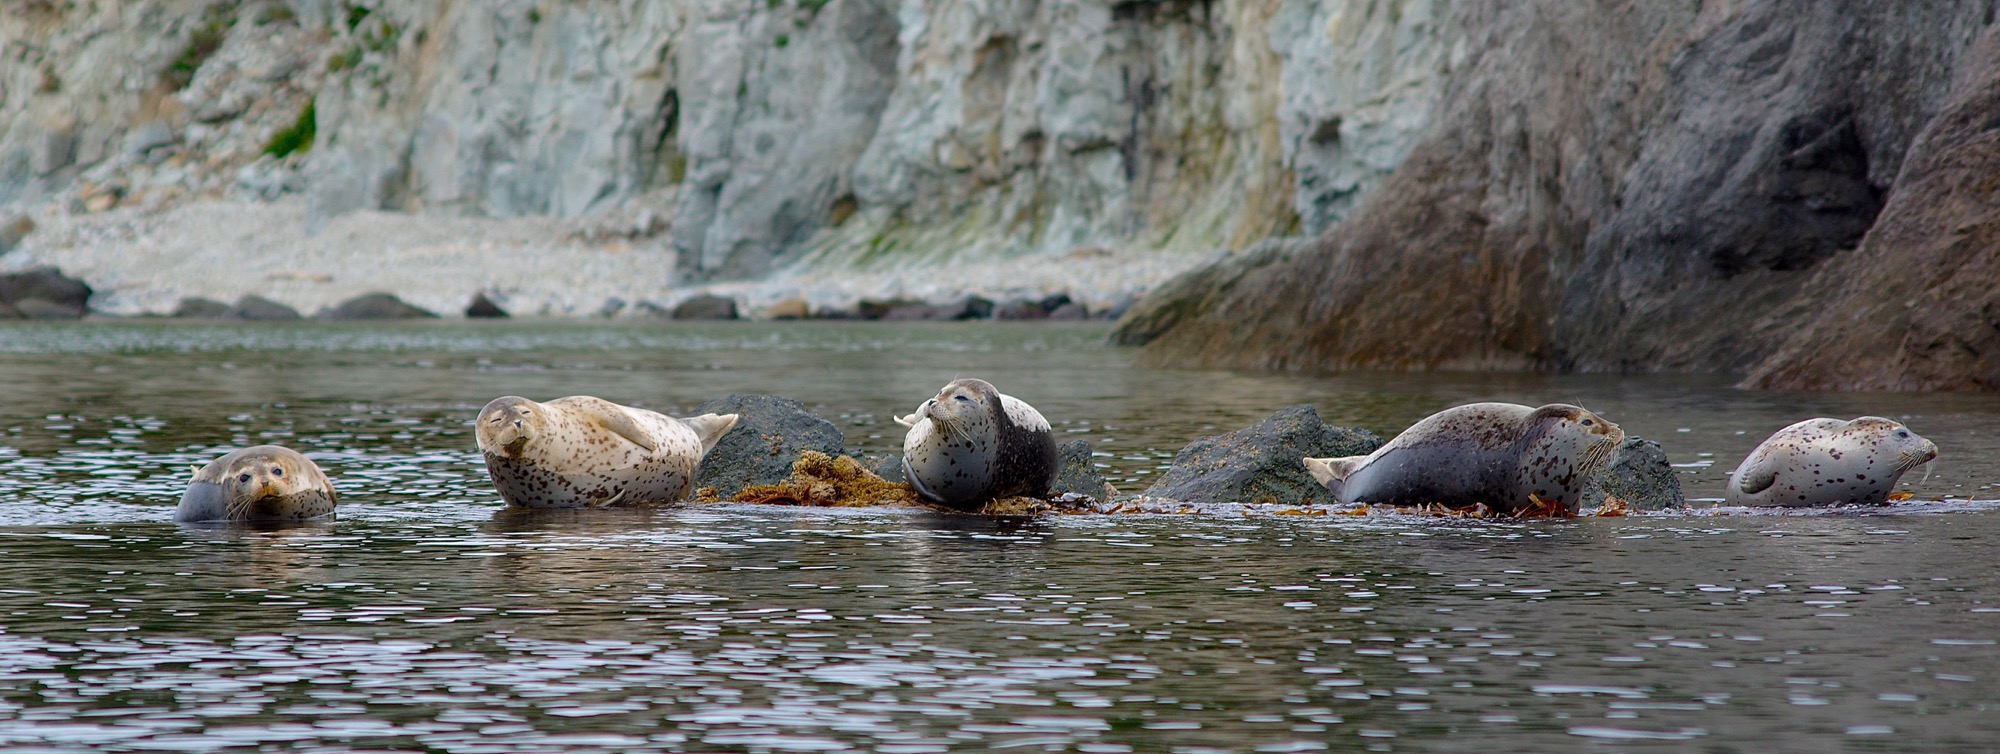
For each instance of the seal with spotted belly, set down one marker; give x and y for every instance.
(585, 452)
(1829, 462)
(972, 444)
(1499, 454)
(258, 483)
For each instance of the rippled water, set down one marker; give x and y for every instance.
(427, 618)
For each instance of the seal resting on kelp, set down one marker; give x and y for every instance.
(259, 483)
(585, 452)
(1503, 455)
(1829, 462)
(972, 444)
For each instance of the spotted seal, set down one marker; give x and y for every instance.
(585, 452)
(258, 483)
(1499, 454)
(1829, 462)
(972, 444)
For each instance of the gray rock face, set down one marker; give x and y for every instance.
(1079, 474)
(1260, 463)
(260, 309)
(44, 293)
(375, 306)
(706, 307)
(200, 308)
(1637, 473)
(770, 434)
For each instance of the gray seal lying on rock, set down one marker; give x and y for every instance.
(1829, 462)
(585, 452)
(1498, 454)
(972, 444)
(259, 483)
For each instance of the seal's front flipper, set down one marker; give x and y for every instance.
(203, 501)
(710, 428)
(614, 419)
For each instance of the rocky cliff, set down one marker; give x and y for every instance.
(1794, 189)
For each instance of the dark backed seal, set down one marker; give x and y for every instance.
(1829, 462)
(1498, 454)
(972, 444)
(260, 483)
(585, 452)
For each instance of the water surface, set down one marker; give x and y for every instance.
(428, 618)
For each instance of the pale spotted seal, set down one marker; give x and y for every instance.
(585, 452)
(972, 444)
(1500, 454)
(1829, 462)
(260, 483)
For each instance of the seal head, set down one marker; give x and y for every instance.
(586, 452)
(1502, 455)
(260, 483)
(1829, 462)
(972, 444)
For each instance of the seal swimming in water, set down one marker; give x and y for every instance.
(972, 444)
(1829, 462)
(259, 483)
(585, 452)
(1499, 454)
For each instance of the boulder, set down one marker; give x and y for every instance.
(873, 309)
(706, 306)
(770, 434)
(196, 307)
(1260, 463)
(376, 305)
(45, 293)
(260, 309)
(1079, 475)
(1071, 312)
(791, 308)
(1637, 473)
(1020, 309)
(889, 467)
(484, 308)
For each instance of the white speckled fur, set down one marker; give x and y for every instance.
(584, 452)
(1828, 462)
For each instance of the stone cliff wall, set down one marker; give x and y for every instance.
(1650, 186)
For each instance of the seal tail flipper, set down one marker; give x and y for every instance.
(710, 428)
(1327, 471)
(1757, 473)
(614, 419)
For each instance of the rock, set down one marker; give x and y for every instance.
(195, 307)
(45, 293)
(1020, 309)
(376, 305)
(1079, 474)
(149, 136)
(13, 231)
(484, 308)
(612, 306)
(1069, 312)
(791, 308)
(707, 306)
(770, 434)
(259, 309)
(971, 307)
(873, 309)
(1637, 472)
(1260, 463)
(889, 467)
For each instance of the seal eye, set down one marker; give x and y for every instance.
(961, 398)
(1903, 433)
(275, 471)
(244, 478)
(1587, 422)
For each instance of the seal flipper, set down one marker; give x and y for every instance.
(203, 501)
(923, 412)
(1756, 474)
(710, 428)
(1328, 471)
(613, 418)
(918, 484)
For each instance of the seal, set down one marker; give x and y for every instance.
(585, 452)
(972, 444)
(1503, 455)
(1829, 462)
(259, 483)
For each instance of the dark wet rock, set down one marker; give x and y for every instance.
(1079, 475)
(484, 308)
(196, 307)
(1020, 309)
(706, 306)
(376, 305)
(1260, 463)
(770, 434)
(873, 309)
(1069, 312)
(1055, 301)
(1638, 473)
(44, 293)
(971, 307)
(260, 309)
(889, 467)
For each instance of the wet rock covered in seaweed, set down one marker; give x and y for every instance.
(771, 434)
(1260, 463)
